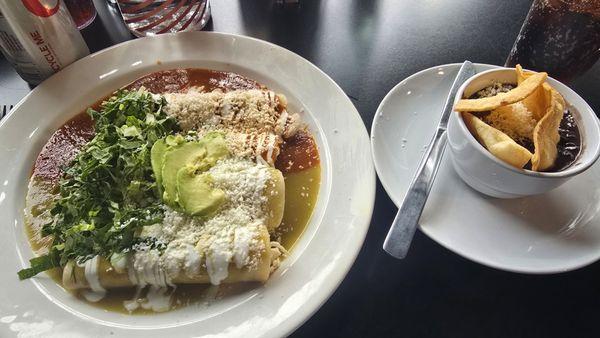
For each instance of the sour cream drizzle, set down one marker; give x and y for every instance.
(271, 147)
(282, 120)
(149, 274)
(158, 299)
(97, 292)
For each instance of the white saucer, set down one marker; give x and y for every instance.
(555, 232)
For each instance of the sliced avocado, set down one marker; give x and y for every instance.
(174, 159)
(216, 149)
(157, 154)
(196, 196)
(174, 140)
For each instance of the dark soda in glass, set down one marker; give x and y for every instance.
(82, 11)
(561, 37)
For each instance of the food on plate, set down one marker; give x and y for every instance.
(184, 177)
(526, 124)
(502, 98)
(497, 142)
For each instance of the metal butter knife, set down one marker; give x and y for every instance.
(405, 223)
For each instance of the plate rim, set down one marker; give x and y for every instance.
(336, 276)
(387, 187)
(381, 105)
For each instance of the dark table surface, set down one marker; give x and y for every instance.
(367, 47)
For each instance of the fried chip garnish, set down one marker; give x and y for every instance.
(536, 102)
(497, 142)
(547, 105)
(523, 90)
(515, 120)
(545, 134)
(530, 112)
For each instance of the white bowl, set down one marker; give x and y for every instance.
(491, 176)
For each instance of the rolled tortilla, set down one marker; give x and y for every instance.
(74, 276)
(275, 193)
(497, 142)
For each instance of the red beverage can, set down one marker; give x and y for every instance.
(39, 37)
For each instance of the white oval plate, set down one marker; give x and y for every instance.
(554, 232)
(317, 264)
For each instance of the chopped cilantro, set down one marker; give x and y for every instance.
(108, 193)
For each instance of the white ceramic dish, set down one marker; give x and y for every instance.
(319, 261)
(553, 232)
(492, 176)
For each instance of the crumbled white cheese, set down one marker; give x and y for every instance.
(240, 110)
(254, 121)
(514, 120)
(231, 236)
(495, 89)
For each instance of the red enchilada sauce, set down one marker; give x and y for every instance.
(63, 146)
(297, 153)
(180, 80)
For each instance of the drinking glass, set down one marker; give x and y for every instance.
(150, 17)
(82, 11)
(561, 37)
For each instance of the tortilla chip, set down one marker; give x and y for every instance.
(497, 142)
(521, 75)
(545, 107)
(536, 102)
(545, 134)
(523, 90)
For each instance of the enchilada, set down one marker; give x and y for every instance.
(239, 233)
